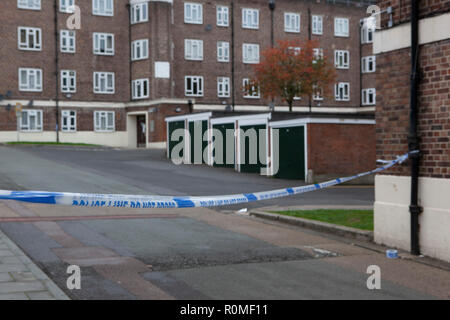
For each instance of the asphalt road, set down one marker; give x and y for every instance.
(188, 253)
(149, 172)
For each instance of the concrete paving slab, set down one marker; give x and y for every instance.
(14, 296)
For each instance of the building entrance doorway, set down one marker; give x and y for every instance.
(141, 131)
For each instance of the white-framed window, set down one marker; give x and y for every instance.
(139, 49)
(318, 54)
(341, 59)
(193, 49)
(68, 81)
(29, 4)
(295, 50)
(30, 79)
(368, 97)
(65, 5)
(104, 121)
(250, 53)
(341, 27)
(29, 38)
(103, 7)
(342, 91)
(68, 41)
(139, 12)
(104, 82)
(223, 87)
(222, 16)
(291, 22)
(193, 86)
(193, 13)
(368, 64)
(69, 120)
(317, 25)
(223, 51)
(317, 93)
(31, 120)
(140, 88)
(250, 18)
(367, 30)
(250, 93)
(104, 44)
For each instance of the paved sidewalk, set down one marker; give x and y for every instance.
(21, 279)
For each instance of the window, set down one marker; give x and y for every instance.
(292, 22)
(222, 16)
(193, 13)
(139, 49)
(223, 51)
(367, 30)
(252, 92)
(64, 5)
(68, 81)
(104, 82)
(317, 25)
(30, 38)
(223, 87)
(139, 12)
(68, 120)
(295, 50)
(104, 121)
(317, 93)
(68, 43)
(104, 44)
(341, 27)
(341, 59)
(368, 64)
(193, 49)
(193, 86)
(29, 4)
(318, 54)
(30, 80)
(368, 97)
(103, 7)
(31, 120)
(250, 53)
(342, 91)
(140, 88)
(250, 18)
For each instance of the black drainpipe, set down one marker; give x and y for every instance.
(55, 7)
(272, 37)
(130, 65)
(272, 9)
(413, 138)
(309, 38)
(233, 82)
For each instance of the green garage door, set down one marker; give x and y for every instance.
(253, 136)
(201, 126)
(228, 140)
(172, 127)
(291, 153)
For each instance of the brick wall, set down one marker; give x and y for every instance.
(210, 69)
(402, 9)
(336, 149)
(392, 114)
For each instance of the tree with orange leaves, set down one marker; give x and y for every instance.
(292, 69)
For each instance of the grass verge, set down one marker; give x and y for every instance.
(51, 143)
(359, 219)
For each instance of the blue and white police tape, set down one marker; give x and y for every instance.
(141, 201)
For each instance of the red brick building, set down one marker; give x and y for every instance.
(392, 47)
(129, 64)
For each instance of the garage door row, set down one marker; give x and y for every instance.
(289, 146)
